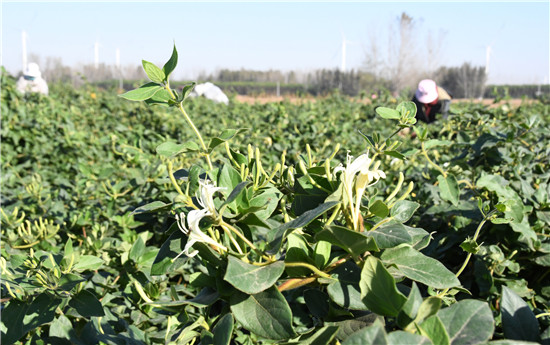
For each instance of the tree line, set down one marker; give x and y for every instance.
(407, 58)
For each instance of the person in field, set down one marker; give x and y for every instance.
(430, 100)
(31, 81)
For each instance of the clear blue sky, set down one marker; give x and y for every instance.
(277, 35)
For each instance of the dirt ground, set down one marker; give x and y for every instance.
(297, 100)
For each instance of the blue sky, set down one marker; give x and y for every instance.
(277, 35)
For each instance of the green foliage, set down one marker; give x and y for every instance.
(120, 224)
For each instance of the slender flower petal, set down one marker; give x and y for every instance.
(194, 232)
(206, 199)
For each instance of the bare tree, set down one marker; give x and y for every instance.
(434, 44)
(408, 59)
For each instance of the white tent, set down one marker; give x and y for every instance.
(210, 91)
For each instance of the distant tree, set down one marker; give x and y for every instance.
(408, 59)
(55, 71)
(466, 81)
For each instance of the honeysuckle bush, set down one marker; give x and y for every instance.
(155, 222)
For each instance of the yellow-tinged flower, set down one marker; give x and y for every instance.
(356, 177)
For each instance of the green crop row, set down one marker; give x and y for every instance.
(322, 222)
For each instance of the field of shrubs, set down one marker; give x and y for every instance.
(153, 218)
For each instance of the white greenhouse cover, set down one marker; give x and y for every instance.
(210, 91)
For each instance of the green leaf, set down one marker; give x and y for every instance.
(346, 291)
(266, 314)
(142, 93)
(401, 337)
(435, 142)
(303, 220)
(317, 302)
(470, 246)
(322, 253)
(378, 289)
(206, 297)
(153, 72)
(170, 65)
(40, 311)
(164, 262)
(228, 178)
(87, 304)
(518, 320)
(161, 97)
(403, 210)
(353, 242)
(448, 188)
(407, 109)
(388, 113)
(395, 154)
(429, 307)
(434, 329)
(12, 320)
(150, 207)
(323, 336)
(68, 248)
(420, 237)
(223, 330)
(62, 328)
(375, 334)
(379, 209)
(390, 235)
(418, 267)
(236, 192)
(88, 262)
(543, 260)
(467, 322)
(507, 196)
(370, 140)
(252, 279)
(170, 149)
(68, 281)
(226, 135)
(349, 326)
(410, 308)
(512, 342)
(137, 250)
(187, 90)
(267, 199)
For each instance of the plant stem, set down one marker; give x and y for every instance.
(476, 234)
(382, 222)
(333, 215)
(308, 266)
(232, 240)
(467, 260)
(188, 119)
(425, 153)
(227, 227)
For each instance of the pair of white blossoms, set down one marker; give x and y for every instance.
(356, 177)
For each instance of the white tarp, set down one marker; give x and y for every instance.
(210, 91)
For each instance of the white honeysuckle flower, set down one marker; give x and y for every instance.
(193, 231)
(367, 176)
(206, 199)
(360, 166)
